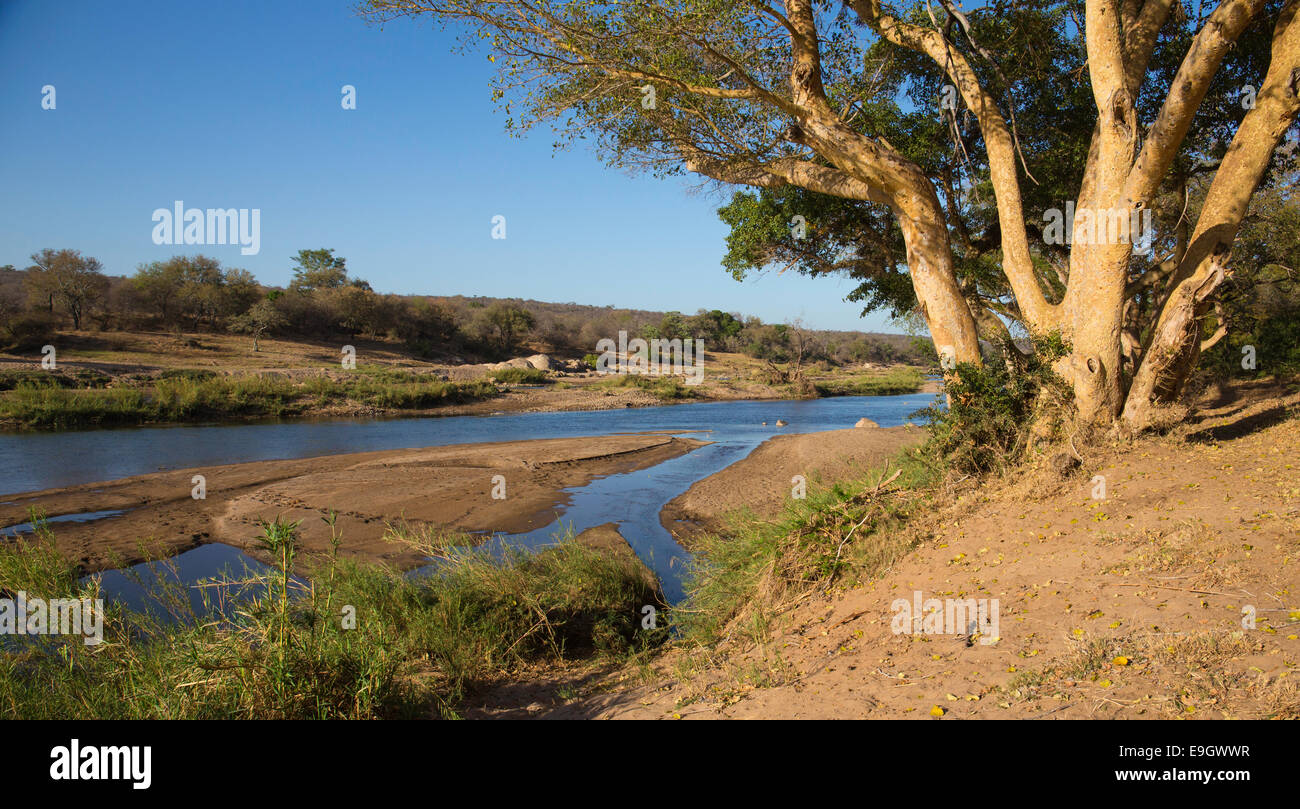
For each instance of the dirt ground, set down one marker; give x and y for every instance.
(1175, 594)
(448, 487)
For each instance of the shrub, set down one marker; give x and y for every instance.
(986, 426)
(29, 331)
(534, 376)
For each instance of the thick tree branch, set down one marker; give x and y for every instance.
(1017, 263)
(1186, 92)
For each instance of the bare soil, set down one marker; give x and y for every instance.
(763, 482)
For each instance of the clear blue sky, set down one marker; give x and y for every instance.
(236, 105)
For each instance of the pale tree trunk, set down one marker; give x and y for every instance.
(1094, 300)
(929, 261)
(1176, 337)
(897, 181)
(1094, 306)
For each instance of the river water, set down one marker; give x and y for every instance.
(31, 461)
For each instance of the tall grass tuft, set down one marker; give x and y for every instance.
(533, 376)
(893, 382)
(324, 637)
(739, 580)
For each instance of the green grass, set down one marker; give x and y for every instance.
(417, 647)
(10, 380)
(532, 376)
(894, 382)
(666, 388)
(192, 395)
(741, 579)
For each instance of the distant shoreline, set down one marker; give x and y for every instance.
(221, 380)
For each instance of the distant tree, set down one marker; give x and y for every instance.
(39, 281)
(261, 318)
(716, 326)
(195, 287)
(318, 269)
(426, 326)
(158, 284)
(66, 276)
(242, 291)
(672, 326)
(506, 323)
(355, 307)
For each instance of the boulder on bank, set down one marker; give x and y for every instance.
(517, 362)
(866, 423)
(540, 362)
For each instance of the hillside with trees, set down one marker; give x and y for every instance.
(63, 289)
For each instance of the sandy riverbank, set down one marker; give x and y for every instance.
(762, 481)
(450, 487)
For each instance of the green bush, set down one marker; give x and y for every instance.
(986, 425)
(534, 376)
(666, 388)
(29, 331)
(738, 580)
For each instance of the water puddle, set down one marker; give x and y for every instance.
(21, 528)
(199, 581)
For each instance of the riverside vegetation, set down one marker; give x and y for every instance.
(53, 400)
(75, 398)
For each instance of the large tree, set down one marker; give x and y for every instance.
(1121, 101)
(318, 269)
(69, 278)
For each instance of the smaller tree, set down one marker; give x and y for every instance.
(506, 324)
(356, 307)
(158, 284)
(261, 318)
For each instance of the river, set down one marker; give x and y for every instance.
(32, 461)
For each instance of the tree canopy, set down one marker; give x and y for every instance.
(930, 150)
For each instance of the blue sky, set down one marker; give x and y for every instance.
(237, 105)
